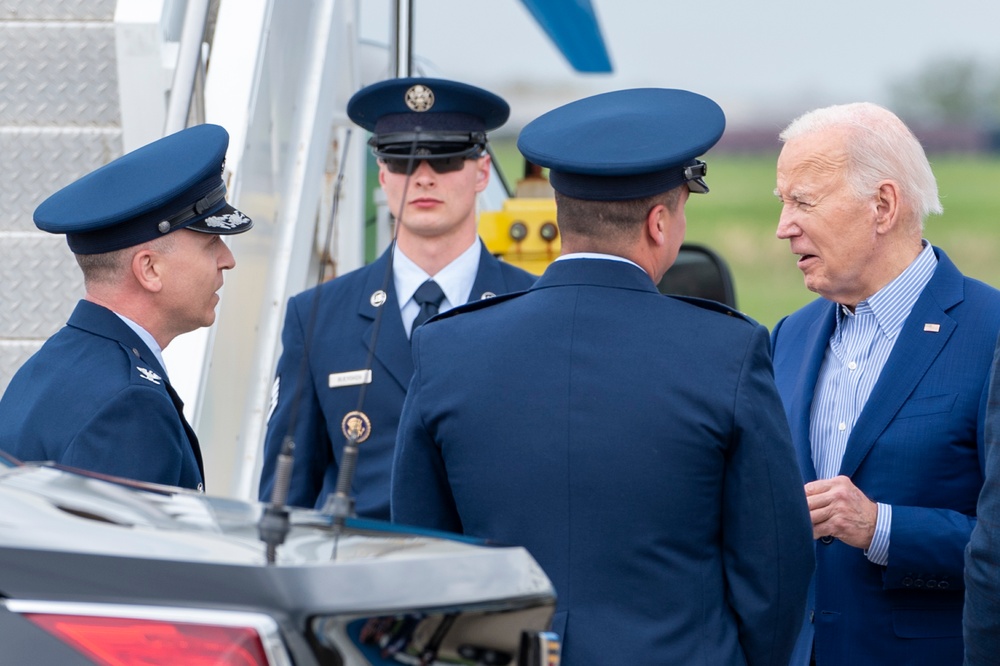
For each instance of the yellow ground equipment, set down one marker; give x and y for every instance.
(523, 232)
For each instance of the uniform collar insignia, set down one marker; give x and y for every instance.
(149, 375)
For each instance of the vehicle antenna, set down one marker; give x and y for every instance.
(356, 425)
(274, 523)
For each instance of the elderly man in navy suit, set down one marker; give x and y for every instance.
(633, 442)
(146, 231)
(884, 380)
(349, 338)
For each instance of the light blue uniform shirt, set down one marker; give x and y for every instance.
(146, 337)
(455, 279)
(859, 347)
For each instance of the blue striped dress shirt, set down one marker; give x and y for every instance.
(859, 347)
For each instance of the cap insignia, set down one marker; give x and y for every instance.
(419, 98)
(227, 221)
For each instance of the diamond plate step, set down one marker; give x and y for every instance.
(41, 285)
(59, 119)
(58, 74)
(37, 162)
(72, 10)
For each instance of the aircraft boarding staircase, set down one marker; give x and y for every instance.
(59, 118)
(83, 81)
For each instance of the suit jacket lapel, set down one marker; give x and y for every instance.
(192, 437)
(911, 356)
(814, 348)
(489, 278)
(391, 346)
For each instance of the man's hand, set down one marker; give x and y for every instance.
(840, 510)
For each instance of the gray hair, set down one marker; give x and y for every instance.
(110, 267)
(880, 147)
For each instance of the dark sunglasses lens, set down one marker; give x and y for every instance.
(399, 164)
(408, 165)
(448, 164)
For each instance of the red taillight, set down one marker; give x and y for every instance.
(115, 641)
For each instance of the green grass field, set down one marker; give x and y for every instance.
(739, 216)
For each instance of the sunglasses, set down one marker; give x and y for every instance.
(448, 162)
(408, 165)
(694, 175)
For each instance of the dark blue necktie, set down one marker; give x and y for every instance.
(428, 296)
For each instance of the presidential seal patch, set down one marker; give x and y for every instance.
(356, 425)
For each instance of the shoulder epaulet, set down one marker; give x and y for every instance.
(714, 306)
(472, 306)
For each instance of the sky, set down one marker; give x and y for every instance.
(765, 61)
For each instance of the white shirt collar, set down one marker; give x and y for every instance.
(146, 337)
(598, 255)
(455, 279)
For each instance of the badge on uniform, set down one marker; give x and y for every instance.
(349, 378)
(149, 375)
(356, 425)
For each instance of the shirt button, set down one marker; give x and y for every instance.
(852, 365)
(842, 427)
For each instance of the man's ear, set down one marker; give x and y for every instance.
(146, 269)
(886, 206)
(656, 224)
(483, 172)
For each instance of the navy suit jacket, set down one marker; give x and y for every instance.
(95, 397)
(341, 339)
(982, 558)
(635, 444)
(918, 446)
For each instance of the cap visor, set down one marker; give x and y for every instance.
(224, 222)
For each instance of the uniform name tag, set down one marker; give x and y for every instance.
(350, 378)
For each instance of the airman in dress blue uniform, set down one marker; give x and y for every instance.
(639, 450)
(349, 337)
(146, 230)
